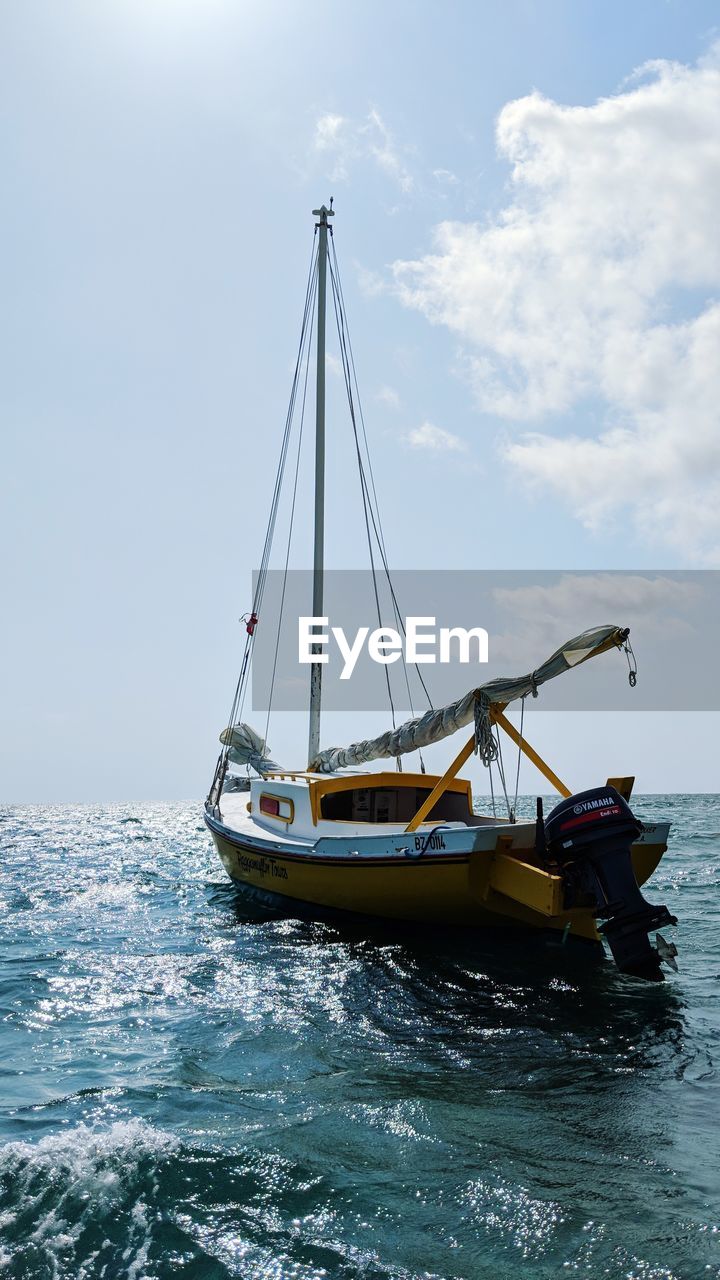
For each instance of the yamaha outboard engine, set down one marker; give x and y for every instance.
(590, 836)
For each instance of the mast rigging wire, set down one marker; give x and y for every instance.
(291, 523)
(238, 697)
(371, 508)
(374, 513)
(363, 485)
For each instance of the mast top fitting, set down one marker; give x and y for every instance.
(323, 213)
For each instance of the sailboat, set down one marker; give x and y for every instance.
(335, 836)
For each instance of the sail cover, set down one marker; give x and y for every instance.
(474, 707)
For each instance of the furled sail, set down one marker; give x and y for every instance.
(474, 707)
(247, 747)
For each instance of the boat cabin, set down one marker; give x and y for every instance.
(394, 797)
(351, 803)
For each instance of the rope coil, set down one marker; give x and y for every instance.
(486, 745)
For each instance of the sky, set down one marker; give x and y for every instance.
(526, 203)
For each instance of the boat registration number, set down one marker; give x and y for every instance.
(429, 842)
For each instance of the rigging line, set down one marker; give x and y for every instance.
(381, 534)
(357, 392)
(262, 573)
(290, 531)
(501, 774)
(276, 493)
(492, 789)
(285, 443)
(288, 423)
(286, 437)
(347, 343)
(517, 773)
(349, 363)
(379, 531)
(380, 539)
(363, 487)
(306, 347)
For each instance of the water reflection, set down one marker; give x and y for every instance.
(525, 1094)
(506, 1010)
(246, 1094)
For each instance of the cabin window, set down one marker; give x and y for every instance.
(392, 804)
(277, 807)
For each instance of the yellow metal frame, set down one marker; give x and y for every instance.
(530, 752)
(442, 785)
(496, 715)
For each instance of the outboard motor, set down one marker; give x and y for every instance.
(590, 836)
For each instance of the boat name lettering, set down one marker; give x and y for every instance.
(420, 643)
(429, 842)
(262, 866)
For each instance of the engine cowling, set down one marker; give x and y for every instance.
(590, 837)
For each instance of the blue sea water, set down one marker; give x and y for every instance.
(192, 1088)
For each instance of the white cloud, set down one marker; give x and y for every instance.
(445, 177)
(331, 135)
(385, 151)
(543, 615)
(598, 284)
(333, 364)
(329, 130)
(346, 141)
(388, 396)
(371, 283)
(579, 594)
(435, 438)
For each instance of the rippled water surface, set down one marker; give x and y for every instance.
(190, 1088)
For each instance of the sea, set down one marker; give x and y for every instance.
(193, 1087)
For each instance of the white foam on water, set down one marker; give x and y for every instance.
(85, 1174)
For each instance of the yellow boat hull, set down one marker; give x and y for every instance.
(478, 889)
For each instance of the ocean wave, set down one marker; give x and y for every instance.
(80, 1200)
